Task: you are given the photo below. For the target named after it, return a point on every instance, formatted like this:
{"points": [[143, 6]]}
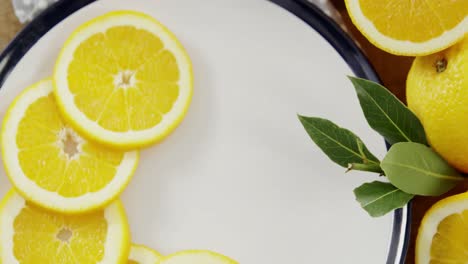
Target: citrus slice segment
{"points": [[140, 254], [196, 257], [123, 79], [443, 233], [52, 165], [31, 235], [412, 28]]}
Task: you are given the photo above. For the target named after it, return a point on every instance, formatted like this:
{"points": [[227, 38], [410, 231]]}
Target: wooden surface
{"points": [[9, 25], [391, 69]]}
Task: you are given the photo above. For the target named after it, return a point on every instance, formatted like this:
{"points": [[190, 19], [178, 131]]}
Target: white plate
{"points": [[240, 175]]}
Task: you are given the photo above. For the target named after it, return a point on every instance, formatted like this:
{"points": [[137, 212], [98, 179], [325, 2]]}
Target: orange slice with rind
{"points": [[443, 233], [30, 234], [124, 80], [52, 165], [412, 28]]}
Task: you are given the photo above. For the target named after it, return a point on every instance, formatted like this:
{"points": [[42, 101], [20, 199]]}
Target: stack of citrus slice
{"points": [[70, 143]]}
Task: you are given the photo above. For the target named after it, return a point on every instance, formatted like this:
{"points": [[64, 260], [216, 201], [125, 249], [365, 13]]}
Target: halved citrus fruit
{"points": [[196, 257], [31, 235], [52, 165], [123, 79], [412, 28], [443, 233], [140, 254]]}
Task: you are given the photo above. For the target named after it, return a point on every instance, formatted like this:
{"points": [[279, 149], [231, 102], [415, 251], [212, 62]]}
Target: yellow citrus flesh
{"points": [[140, 254], [417, 27], [51, 164], [196, 257], [437, 92], [31, 235], [123, 79], [443, 234]]}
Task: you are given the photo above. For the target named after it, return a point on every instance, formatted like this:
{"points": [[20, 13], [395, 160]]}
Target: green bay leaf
{"points": [[417, 169], [339, 144], [386, 114], [379, 198]]}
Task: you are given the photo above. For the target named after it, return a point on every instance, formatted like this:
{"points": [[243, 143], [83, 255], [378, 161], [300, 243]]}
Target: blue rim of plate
{"points": [[303, 9]]}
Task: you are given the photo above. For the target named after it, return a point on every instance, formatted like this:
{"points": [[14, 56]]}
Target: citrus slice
{"points": [[443, 234], [196, 257], [123, 79], [31, 235], [51, 165], [411, 28], [140, 254]]}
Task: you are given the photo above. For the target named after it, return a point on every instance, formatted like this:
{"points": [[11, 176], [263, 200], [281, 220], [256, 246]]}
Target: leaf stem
{"points": [[371, 167]]}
